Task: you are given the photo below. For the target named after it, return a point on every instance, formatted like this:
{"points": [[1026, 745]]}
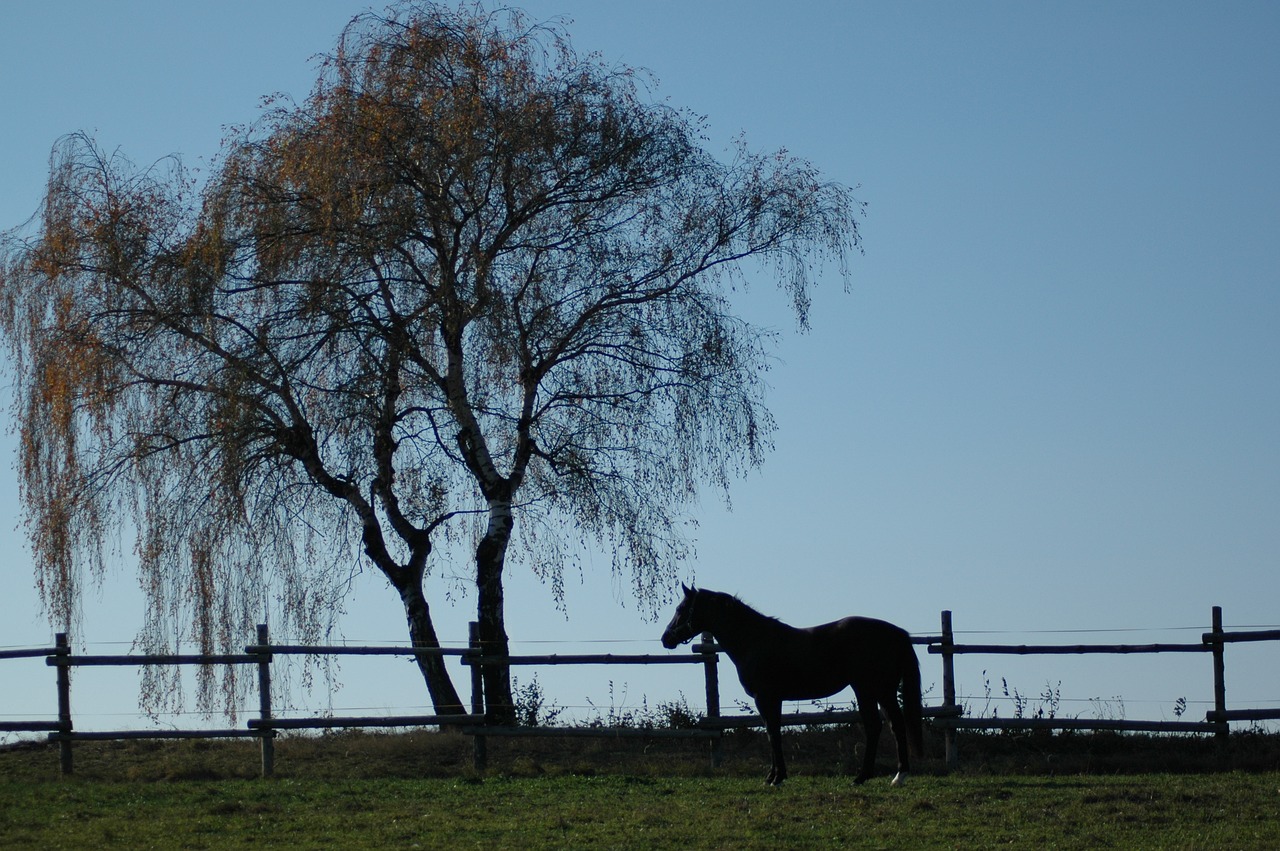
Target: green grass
{"points": [[419, 789], [1217, 811]]}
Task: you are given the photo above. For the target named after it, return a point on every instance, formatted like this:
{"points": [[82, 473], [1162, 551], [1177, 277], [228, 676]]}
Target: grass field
{"points": [[418, 790], [1219, 811]]}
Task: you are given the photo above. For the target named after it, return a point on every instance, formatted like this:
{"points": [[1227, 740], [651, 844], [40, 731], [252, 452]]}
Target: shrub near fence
{"points": [[947, 717]]}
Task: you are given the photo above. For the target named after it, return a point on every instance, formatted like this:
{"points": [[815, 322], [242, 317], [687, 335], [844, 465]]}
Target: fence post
{"points": [[951, 748], [1219, 672], [480, 752], [267, 735], [711, 668], [63, 650]]}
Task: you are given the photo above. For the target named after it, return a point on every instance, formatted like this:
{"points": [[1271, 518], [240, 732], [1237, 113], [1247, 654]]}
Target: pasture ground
{"points": [[1215, 811], [382, 790]]}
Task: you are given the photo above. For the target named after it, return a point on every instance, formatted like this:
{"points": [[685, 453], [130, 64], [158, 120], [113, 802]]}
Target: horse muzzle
{"points": [[671, 639]]}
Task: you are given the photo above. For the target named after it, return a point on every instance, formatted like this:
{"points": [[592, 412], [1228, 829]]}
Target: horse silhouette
{"points": [[777, 662]]}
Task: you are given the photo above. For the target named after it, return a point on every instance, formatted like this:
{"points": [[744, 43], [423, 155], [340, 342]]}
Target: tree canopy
{"points": [[474, 277]]}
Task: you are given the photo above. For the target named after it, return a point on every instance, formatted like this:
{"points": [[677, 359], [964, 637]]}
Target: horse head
{"points": [[684, 624]]}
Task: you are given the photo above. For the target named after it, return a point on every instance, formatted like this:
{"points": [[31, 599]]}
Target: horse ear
{"points": [[687, 589]]}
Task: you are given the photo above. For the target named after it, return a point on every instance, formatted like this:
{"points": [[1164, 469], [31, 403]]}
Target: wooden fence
{"points": [[948, 717]]}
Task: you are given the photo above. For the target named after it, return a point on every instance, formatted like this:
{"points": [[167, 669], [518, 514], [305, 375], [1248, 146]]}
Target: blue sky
{"points": [[1049, 401]]}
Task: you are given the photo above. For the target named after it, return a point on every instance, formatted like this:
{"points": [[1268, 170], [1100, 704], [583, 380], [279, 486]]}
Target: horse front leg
{"points": [[771, 711], [872, 725]]}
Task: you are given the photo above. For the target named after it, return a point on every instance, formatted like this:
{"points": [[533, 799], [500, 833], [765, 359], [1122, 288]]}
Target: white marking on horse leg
{"points": [[899, 778]]}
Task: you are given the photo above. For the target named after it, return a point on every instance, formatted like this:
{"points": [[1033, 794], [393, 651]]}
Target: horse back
{"points": [[818, 661], [871, 633], [866, 649]]}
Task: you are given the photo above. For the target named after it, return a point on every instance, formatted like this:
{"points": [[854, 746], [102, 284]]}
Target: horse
{"points": [[777, 662]]}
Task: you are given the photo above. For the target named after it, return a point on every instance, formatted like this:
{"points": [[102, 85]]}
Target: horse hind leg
{"points": [[871, 725], [898, 723]]}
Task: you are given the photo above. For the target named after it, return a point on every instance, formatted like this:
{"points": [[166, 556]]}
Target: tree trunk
{"points": [[491, 554], [423, 634]]}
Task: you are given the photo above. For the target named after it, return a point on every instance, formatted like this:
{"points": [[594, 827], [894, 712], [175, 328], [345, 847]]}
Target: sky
{"points": [[1049, 400]]}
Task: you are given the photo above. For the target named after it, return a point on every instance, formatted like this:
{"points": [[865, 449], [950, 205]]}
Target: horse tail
{"points": [[913, 700]]}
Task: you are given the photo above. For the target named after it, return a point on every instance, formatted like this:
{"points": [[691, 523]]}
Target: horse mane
{"points": [[732, 605]]}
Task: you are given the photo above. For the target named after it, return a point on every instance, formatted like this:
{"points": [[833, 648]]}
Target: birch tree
{"points": [[475, 286]]}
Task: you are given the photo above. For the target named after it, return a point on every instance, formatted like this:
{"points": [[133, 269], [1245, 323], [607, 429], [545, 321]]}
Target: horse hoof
{"points": [[899, 779], [859, 780]]}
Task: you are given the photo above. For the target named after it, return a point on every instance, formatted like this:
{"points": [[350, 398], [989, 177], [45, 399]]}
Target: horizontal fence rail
{"points": [[345, 650], [29, 653], [335, 722], [1071, 649], [1079, 724], [586, 659], [156, 659], [1233, 637], [948, 717], [847, 716]]}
